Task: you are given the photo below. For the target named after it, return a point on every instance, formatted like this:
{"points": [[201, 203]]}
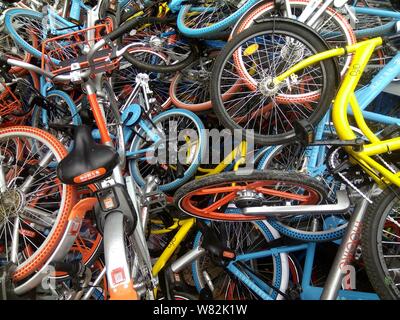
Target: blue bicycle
{"points": [[30, 28], [169, 146], [312, 159], [263, 265]]}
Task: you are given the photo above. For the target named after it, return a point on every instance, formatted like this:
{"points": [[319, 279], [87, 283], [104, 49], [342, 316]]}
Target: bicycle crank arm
{"points": [[342, 205]]}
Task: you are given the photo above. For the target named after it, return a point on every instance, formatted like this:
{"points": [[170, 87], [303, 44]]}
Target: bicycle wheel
{"points": [[252, 60], [86, 248], [331, 26], [381, 245], [185, 146], [161, 36], [62, 111], [242, 238], [23, 25], [34, 200], [8, 46], [329, 227], [210, 17], [216, 197]]}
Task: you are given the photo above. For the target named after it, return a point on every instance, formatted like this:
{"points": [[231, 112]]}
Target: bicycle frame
{"points": [[345, 97], [364, 97], [385, 29], [184, 225], [74, 14], [231, 159], [380, 81], [315, 8]]}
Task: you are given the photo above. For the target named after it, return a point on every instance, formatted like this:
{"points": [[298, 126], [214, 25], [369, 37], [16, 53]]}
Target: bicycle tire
{"points": [[190, 58], [35, 19], [215, 28], [183, 196], [37, 259], [199, 88], [375, 264], [280, 261], [191, 170], [72, 109], [261, 9], [328, 69]]}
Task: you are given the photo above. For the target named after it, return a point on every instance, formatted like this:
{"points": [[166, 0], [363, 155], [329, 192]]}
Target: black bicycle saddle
{"points": [[88, 161]]}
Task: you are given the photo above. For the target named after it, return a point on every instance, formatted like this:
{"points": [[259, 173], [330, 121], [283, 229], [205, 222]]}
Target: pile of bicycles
{"points": [[199, 150]]}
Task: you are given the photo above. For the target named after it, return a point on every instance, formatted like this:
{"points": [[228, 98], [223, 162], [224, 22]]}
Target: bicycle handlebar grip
{"points": [[125, 28]]}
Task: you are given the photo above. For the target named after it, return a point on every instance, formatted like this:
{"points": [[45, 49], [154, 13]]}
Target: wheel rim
{"points": [[388, 245], [217, 202], [259, 105], [42, 210], [242, 238]]}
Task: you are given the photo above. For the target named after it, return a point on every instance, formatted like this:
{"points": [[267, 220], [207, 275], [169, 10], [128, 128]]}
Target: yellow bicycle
{"points": [[183, 226], [378, 156], [286, 79]]}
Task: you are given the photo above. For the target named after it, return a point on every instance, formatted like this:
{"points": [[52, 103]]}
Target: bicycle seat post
{"points": [[346, 250]]}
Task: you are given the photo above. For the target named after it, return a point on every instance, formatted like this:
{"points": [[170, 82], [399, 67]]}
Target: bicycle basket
{"points": [[60, 53]]}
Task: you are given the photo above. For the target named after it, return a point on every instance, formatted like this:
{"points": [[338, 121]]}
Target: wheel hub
{"points": [[142, 78], [248, 198], [267, 87], [155, 42]]}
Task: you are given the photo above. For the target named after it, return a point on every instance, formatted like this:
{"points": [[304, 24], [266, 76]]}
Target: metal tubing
{"points": [[342, 205], [346, 250], [179, 264], [95, 283]]}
